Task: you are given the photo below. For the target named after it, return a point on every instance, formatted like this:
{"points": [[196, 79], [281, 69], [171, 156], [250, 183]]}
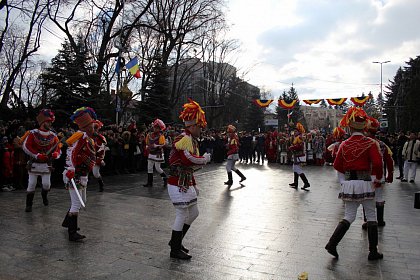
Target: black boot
{"points": [[66, 221], [176, 246], [73, 234], [29, 201], [364, 225], [295, 181], [44, 194], [230, 180], [101, 184], [305, 182], [184, 231], [338, 234], [373, 242], [149, 180], [165, 179], [243, 178], [380, 215]]}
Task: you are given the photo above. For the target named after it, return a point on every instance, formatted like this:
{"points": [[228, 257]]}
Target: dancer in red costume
{"points": [[299, 158], [155, 142], [232, 155], [81, 157], [183, 159], [42, 146], [100, 145], [358, 157], [371, 130]]}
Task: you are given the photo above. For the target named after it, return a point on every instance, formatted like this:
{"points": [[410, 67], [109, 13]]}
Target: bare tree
{"points": [[103, 26], [18, 44]]}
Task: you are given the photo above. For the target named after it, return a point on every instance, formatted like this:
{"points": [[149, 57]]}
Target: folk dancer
{"points": [[371, 129], [79, 163], [42, 146], [155, 142], [299, 157], [338, 134], [358, 157], [100, 145], [182, 189], [232, 155]]}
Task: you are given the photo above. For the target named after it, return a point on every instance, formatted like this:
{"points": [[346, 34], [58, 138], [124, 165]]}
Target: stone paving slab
{"points": [[259, 230]]}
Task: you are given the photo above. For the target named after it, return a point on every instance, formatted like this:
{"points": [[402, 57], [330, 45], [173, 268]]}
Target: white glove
{"points": [[208, 157]]}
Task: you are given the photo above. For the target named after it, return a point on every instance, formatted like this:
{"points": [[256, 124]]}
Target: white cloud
{"points": [[325, 48]]}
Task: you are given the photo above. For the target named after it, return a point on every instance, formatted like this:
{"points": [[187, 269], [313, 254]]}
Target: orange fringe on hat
{"points": [[355, 118], [372, 124], [300, 127], [338, 133], [193, 114]]}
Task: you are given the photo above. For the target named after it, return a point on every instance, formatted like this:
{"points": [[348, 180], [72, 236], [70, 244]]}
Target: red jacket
{"points": [[359, 153]]}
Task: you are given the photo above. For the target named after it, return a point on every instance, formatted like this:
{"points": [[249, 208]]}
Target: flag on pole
{"points": [[133, 67]]}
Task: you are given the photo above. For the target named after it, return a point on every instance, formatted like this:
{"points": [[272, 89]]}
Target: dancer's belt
{"points": [[184, 174], [363, 175]]}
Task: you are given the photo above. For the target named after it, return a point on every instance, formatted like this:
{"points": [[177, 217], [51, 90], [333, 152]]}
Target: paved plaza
{"points": [[262, 229]]}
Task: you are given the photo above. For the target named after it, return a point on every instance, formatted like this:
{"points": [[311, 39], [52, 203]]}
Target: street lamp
{"points": [[381, 62]]}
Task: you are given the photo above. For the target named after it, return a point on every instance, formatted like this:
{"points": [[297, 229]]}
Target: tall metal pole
{"points": [[381, 62]]}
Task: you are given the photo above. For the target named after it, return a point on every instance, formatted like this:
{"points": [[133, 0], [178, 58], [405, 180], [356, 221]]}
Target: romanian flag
{"points": [[360, 101], [133, 67], [262, 103], [282, 103], [312, 101], [336, 101]]}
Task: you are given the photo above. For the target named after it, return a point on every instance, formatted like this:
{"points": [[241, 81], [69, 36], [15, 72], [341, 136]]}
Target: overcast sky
{"points": [[324, 47]]}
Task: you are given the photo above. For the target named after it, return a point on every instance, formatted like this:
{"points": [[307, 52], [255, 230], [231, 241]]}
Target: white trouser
{"points": [[379, 197], [410, 166], [151, 163], [283, 157], [32, 180], [297, 168], [350, 210], [185, 215], [75, 202], [96, 171], [230, 165]]}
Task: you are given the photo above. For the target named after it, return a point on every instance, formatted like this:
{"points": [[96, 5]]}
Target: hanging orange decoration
{"points": [[336, 101], [263, 103], [360, 101], [312, 101], [282, 103]]}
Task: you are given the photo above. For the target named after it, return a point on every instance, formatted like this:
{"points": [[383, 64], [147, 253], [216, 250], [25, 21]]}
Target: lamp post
{"points": [[381, 62]]}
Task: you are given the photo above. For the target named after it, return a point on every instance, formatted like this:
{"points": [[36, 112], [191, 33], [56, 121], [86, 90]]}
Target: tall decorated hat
{"points": [[83, 117], [231, 128], [338, 133], [45, 115], [159, 123], [355, 118], [193, 114], [372, 125]]}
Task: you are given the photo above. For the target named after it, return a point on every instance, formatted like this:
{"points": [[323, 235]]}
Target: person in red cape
{"points": [[371, 130], [299, 157], [232, 155], [271, 146], [184, 158], [358, 157], [81, 158], [42, 146]]}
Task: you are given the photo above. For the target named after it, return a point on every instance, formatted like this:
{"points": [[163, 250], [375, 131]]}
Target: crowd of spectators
{"points": [[125, 152]]}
